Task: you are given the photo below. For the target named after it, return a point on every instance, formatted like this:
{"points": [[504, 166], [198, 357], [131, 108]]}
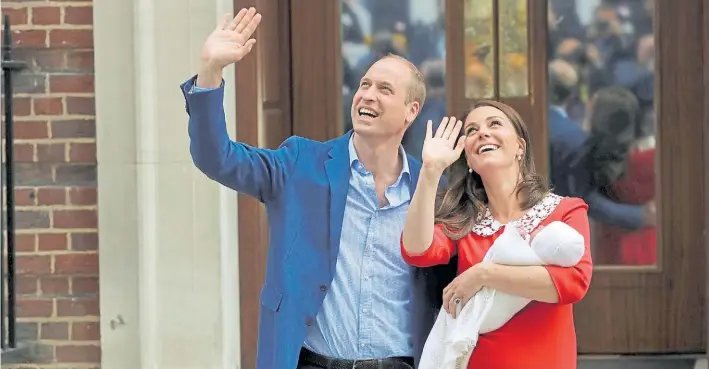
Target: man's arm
{"points": [[603, 209], [261, 173]]}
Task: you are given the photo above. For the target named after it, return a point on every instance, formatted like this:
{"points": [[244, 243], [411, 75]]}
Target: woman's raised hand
{"points": [[440, 150]]}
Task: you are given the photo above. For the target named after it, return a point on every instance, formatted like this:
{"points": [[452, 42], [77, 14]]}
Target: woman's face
{"points": [[491, 140]]}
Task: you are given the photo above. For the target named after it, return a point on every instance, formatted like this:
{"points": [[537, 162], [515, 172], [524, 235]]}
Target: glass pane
{"points": [[513, 48], [479, 43], [413, 29], [602, 122]]}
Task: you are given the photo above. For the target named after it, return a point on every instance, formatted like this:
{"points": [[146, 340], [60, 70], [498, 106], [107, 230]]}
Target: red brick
{"points": [[26, 285], [75, 219], [82, 196], [52, 241], [84, 286], [18, 16], [51, 153], [54, 331], [31, 219], [86, 331], [33, 264], [76, 174], [84, 241], [48, 106], [29, 38], [77, 128], [25, 196], [78, 307], [25, 242], [78, 354], [50, 60], [45, 15], [80, 59], [80, 105], [20, 106], [31, 130], [71, 83], [51, 196], [24, 152], [34, 307], [76, 263], [71, 38], [82, 152], [80, 15], [54, 285]]}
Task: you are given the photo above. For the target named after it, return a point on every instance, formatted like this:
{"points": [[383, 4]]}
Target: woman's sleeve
{"points": [[572, 283], [440, 251]]}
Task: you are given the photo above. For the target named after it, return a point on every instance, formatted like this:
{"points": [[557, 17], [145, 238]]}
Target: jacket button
{"points": [[323, 288], [309, 322]]}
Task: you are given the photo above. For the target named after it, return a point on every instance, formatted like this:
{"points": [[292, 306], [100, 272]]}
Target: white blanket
{"points": [[451, 341]]}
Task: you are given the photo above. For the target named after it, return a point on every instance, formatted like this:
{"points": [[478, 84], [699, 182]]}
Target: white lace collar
{"points": [[486, 225]]}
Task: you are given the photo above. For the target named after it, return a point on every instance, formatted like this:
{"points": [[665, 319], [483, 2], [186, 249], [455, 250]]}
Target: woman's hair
{"points": [[614, 122], [464, 198]]}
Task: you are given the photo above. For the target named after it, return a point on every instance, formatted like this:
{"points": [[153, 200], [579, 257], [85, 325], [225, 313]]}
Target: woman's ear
{"points": [[522, 146]]}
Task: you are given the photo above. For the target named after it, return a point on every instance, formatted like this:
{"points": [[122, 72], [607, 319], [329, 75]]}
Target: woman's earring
{"points": [[470, 170]]}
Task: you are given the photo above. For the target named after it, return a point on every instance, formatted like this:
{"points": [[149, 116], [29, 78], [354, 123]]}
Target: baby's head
{"points": [[559, 244]]}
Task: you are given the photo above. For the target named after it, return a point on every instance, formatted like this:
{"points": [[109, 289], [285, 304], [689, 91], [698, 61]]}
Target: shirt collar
{"points": [[354, 159], [560, 110]]}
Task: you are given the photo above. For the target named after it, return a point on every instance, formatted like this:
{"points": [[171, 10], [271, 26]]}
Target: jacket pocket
{"points": [[271, 297]]}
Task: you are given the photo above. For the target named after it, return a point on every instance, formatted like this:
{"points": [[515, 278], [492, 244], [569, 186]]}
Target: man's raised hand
{"points": [[229, 42]]}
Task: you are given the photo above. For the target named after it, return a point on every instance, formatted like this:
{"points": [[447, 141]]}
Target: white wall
{"points": [[168, 245]]}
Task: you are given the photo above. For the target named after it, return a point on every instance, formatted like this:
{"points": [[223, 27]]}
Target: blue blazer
{"points": [[303, 184]]}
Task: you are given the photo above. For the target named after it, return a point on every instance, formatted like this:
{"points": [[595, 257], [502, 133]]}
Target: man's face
{"points": [[379, 106]]}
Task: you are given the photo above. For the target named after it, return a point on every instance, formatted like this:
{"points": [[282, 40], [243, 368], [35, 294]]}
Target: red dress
{"points": [[542, 335], [637, 186]]}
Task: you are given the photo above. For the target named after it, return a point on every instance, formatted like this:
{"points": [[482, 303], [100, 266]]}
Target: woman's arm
{"points": [[531, 282], [418, 228]]}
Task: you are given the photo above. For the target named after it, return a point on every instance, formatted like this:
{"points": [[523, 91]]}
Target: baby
{"points": [[451, 341]]}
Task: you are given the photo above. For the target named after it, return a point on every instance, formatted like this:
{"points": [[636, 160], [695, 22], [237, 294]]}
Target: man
{"points": [[336, 287]]}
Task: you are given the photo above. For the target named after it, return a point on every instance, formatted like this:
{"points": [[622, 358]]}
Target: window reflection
{"points": [[514, 81], [602, 121], [413, 29], [479, 49]]}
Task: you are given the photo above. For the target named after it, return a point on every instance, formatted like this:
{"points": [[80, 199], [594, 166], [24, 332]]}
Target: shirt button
{"points": [[309, 322], [323, 288]]}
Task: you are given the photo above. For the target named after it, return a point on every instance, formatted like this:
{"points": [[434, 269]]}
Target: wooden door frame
{"points": [[263, 119], [526, 106]]}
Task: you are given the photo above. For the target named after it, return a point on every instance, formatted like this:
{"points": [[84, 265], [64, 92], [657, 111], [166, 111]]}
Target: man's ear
{"points": [[412, 112]]}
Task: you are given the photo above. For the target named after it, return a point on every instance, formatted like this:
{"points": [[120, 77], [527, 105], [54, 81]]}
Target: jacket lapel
{"points": [[338, 173]]}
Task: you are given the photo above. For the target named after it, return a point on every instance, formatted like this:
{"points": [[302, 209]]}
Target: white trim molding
{"points": [[168, 243]]}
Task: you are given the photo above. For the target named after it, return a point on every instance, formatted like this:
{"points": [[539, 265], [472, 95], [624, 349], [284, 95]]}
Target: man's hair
{"points": [[417, 85], [562, 81]]}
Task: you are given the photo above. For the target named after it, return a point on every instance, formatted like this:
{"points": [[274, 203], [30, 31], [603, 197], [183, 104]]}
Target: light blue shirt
{"points": [[367, 312]]}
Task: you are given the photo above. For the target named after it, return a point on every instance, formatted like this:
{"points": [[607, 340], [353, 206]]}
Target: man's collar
{"points": [[354, 158]]}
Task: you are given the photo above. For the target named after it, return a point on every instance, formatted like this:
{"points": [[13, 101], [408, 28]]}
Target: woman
{"points": [[621, 160], [492, 184]]}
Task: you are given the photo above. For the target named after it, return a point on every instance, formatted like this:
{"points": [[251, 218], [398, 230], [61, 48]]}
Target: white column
{"points": [[168, 246]]}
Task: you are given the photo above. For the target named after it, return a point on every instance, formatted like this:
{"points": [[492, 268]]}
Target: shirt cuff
{"points": [[197, 89]]}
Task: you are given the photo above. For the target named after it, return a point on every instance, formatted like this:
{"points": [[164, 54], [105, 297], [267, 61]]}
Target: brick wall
{"points": [[57, 242]]}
